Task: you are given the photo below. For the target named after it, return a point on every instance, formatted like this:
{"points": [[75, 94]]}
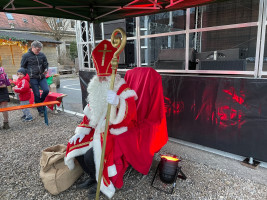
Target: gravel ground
{"points": [[209, 176]]}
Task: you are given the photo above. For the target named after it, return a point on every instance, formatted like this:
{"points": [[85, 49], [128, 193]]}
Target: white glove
{"points": [[77, 136], [112, 98]]}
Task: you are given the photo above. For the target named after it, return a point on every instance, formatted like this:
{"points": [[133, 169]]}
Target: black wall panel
{"points": [[228, 114]]}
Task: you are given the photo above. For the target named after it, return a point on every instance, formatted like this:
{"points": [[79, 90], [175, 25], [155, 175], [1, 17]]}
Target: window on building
{"points": [[98, 31], [68, 49], [72, 24], [218, 38], [167, 52], [12, 25], [127, 24], [225, 48], [9, 16], [163, 22], [226, 13], [128, 56], [110, 26], [59, 22]]}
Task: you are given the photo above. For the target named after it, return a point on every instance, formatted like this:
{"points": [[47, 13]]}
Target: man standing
{"points": [[36, 64], [86, 145]]}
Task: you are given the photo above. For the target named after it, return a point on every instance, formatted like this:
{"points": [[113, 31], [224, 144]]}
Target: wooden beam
{"points": [[49, 103]]}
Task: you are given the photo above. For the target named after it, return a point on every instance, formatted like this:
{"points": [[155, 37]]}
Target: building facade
{"points": [[16, 34]]}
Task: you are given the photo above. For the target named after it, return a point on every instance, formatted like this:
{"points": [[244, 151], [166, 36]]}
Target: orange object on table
{"points": [[52, 96]]}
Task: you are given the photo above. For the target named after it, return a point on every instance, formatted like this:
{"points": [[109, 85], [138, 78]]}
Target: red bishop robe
{"points": [[122, 119]]}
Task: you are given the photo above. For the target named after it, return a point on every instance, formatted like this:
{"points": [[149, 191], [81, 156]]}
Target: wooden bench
{"points": [[65, 71], [48, 103]]}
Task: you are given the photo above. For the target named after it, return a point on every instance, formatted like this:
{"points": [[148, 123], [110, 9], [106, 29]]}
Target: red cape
{"points": [[138, 145]]}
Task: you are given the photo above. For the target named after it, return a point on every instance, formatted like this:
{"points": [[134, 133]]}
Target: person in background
{"points": [[4, 96], [23, 89], [36, 65]]}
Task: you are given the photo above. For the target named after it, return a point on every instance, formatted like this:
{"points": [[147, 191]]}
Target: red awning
{"points": [[96, 10]]}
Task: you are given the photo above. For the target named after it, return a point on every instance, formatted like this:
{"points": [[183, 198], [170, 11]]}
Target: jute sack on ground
{"points": [[55, 175]]}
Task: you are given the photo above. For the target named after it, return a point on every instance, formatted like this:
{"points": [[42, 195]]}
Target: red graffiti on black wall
{"points": [[235, 97], [231, 115], [226, 111], [172, 107]]}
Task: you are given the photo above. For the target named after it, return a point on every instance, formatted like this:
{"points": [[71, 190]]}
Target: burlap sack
{"points": [[55, 175]]}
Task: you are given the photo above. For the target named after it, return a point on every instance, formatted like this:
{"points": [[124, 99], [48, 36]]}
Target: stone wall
{"points": [[50, 51], [11, 57], [62, 52]]}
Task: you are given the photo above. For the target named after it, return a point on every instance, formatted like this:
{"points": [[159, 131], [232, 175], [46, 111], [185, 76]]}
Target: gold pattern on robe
{"points": [[79, 145]]}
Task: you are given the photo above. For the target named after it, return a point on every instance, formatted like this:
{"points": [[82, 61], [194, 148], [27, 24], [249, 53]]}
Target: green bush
{"points": [[73, 51]]}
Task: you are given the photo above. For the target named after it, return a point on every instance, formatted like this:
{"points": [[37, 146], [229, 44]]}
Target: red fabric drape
{"points": [[138, 145], [52, 96]]}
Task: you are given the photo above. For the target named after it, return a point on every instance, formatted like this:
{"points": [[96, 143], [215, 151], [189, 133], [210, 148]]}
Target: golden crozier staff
{"points": [[118, 43]]}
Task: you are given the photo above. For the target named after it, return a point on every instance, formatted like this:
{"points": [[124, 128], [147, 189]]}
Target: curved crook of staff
{"points": [[118, 43]]}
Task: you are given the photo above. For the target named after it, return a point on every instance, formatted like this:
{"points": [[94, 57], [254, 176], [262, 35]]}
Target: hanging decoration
{"points": [[23, 41], [13, 62], [13, 41]]}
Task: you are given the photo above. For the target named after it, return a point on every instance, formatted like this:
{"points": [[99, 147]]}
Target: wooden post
{"points": [[119, 43]]}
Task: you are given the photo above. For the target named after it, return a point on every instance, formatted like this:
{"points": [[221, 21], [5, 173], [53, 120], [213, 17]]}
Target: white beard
{"points": [[97, 98]]}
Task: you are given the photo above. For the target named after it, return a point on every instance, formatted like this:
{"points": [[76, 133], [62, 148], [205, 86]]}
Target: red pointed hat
{"points": [[102, 56]]}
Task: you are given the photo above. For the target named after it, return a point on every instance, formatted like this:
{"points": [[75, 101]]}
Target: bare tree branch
{"points": [[58, 27]]}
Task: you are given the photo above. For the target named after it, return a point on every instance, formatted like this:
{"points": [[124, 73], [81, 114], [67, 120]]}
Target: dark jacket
{"points": [[35, 65]]}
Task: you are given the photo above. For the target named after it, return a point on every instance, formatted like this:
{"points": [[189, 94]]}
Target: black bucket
{"points": [[167, 170]]}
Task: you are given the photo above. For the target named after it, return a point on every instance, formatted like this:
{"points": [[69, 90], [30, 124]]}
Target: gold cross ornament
{"points": [[104, 53]]}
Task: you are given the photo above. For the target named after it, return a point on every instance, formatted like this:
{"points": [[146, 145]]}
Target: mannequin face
{"points": [[102, 78]]}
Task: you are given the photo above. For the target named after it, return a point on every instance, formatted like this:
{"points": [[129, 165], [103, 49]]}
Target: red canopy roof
{"points": [[96, 10]]}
